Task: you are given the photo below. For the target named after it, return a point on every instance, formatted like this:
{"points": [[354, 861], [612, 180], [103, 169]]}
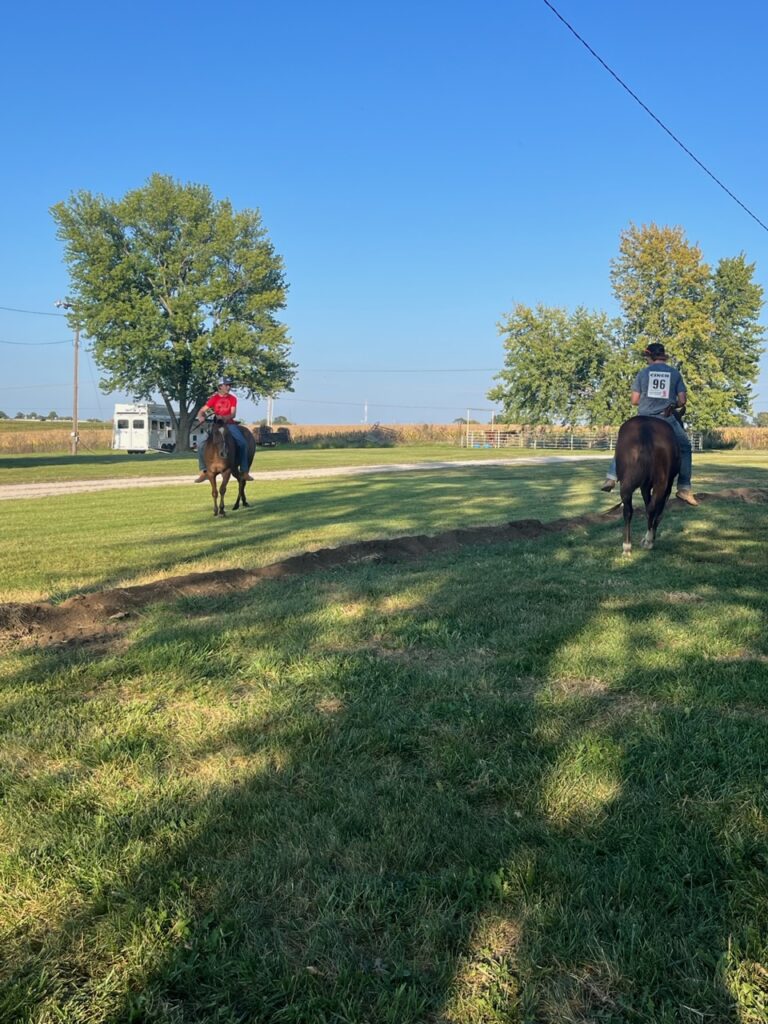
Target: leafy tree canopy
{"points": [[175, 289], [706, 320], [554, 365], [578, 367]]}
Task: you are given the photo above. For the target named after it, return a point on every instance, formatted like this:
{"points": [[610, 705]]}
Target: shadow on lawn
{"points": [[419, 810], [176, 460]]}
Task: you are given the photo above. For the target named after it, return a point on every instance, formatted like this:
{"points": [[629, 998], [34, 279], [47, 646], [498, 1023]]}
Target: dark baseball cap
{"points": [[655, 350]]}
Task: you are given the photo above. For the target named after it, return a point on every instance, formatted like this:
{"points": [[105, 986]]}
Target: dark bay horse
{"points": [[220, 456], [648, 457]]}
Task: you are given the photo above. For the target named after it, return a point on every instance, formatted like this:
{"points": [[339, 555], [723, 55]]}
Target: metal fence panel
{"points": [[595, 441]]}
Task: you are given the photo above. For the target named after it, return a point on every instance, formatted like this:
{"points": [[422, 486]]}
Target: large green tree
{"points": [[612, 404], [176, 288], [737, 339], [706, 320], [554, 363]]}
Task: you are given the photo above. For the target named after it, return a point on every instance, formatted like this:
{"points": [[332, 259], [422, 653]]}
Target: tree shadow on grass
{"points": [[483, 788], [33, 461]]}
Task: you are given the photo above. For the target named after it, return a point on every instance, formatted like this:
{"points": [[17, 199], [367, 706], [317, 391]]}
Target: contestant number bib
{"points": [[659, 384]]}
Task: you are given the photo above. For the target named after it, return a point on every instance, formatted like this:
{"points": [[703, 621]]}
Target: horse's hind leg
{"points": [[214, 492], [650, 506], [627, 502], [654, 518], [240, 495]]}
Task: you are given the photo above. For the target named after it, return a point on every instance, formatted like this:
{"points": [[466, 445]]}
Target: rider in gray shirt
{"points": [[654, 389]]}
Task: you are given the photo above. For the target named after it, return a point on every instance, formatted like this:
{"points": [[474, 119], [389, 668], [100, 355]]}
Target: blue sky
{"points": [[421, 167]]}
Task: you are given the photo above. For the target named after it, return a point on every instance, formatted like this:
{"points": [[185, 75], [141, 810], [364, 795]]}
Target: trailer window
{"points": [[154, 424], [138, 424], [122, 424]]}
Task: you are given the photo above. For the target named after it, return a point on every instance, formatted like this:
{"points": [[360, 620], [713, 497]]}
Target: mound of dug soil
{"points": [[89, 617]]}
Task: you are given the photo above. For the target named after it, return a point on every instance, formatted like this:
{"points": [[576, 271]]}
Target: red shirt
{"points": [[223, 405]]}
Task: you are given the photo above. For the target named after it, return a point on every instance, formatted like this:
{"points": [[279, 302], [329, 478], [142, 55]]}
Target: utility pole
{"points": [[269, 410], [75, 431], [365, 411]]}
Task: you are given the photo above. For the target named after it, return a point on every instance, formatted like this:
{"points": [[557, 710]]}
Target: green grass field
{"points": [[54, 547], [45, 468], [522, 784], [20, 426]]}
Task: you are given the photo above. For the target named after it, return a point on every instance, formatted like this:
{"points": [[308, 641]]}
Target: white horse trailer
{"points": [[138, 428]]}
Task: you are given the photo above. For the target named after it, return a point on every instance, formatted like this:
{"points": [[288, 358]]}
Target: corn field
{"points": [[26, 438]]}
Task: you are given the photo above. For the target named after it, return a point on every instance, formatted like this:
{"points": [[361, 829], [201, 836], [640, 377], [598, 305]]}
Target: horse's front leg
{"points": [[214, 492], [223, 490]]}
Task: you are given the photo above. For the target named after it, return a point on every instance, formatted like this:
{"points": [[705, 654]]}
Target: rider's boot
{"points": [[609, 484], [686, 495], [203, 476]]}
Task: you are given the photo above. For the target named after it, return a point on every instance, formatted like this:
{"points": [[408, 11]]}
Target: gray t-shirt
{"points": [[659, 385]]}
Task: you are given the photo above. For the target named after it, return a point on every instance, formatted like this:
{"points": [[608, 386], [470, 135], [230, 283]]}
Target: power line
{"points": [[89, 360], [656, 119], [473, 369], [34, 344], [34, 312], [34, 387], [376, 405], [301, 401]]}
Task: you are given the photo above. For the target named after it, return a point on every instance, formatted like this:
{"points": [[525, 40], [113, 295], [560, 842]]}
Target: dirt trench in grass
{"points": [[97, 616]]}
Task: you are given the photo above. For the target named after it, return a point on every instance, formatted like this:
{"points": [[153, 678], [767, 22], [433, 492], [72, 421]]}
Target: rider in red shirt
{"points": [[224, 405]]}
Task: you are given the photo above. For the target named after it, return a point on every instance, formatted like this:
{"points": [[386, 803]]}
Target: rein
{"points": [[673, 410]]}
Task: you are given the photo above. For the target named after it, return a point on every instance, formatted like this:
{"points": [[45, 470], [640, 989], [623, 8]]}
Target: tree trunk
{"points": [[186, 419], [182, 422]]}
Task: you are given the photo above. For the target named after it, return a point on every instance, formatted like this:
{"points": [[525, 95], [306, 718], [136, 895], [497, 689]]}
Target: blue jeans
{"points": [[242, 449], [684, 442]]}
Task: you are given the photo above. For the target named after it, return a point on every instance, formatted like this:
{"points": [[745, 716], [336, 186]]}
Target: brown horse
{"points": [[648, 457], [220, 456]]}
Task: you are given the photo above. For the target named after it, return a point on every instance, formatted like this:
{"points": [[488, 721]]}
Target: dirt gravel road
{"points": [[9, 492]]}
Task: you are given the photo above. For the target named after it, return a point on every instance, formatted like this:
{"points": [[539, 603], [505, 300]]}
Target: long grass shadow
{"points": [[406, 794]]}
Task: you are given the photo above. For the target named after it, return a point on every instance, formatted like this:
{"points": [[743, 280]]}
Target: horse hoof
{"points": [[626, 550]]}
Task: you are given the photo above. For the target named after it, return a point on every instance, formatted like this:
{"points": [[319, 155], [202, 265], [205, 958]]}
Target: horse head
{"points": [[218, 434]]}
